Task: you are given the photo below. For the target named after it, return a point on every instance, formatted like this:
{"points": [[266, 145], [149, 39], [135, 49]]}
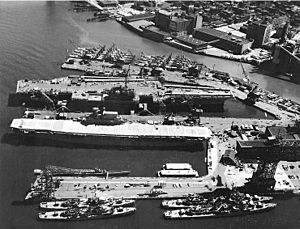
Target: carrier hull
{"points": [[114, 141]]}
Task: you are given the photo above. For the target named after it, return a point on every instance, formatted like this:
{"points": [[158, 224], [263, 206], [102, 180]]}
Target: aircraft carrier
{"points": [[129, 134]]}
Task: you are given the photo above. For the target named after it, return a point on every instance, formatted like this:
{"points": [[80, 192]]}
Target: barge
{"points": [[177, 170]]}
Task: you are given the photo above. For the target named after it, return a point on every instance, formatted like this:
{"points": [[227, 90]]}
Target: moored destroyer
{"points": [[226, 211], [86, 213], [194, 201], [217, 204], [84, 203]]}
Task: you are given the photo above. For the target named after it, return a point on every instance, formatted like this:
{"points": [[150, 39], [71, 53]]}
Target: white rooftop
{"points": [[178, 166]]}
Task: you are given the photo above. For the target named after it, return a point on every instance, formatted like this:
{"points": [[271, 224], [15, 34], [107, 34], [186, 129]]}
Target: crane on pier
{"points": [[252, 96], [246, 77]]}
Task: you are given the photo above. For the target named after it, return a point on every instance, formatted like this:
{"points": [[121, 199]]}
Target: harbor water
{"points": [[35, 38]]}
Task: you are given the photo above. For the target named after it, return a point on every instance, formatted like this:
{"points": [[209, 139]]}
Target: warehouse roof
{"points": [[223, 35], [191, 40]]}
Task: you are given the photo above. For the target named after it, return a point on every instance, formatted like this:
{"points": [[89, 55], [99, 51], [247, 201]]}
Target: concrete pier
{"points": [[128, 187]]}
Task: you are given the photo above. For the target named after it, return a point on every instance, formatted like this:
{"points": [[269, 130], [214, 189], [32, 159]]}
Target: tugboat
{"points": [[224, 210], [85, 203], [86, 213]]}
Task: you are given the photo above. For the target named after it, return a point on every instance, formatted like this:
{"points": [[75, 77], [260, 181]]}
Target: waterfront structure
{"points": [[195, 44], [124, 135], [286, 61], [155, 33], [259, 32], [223, 40]]}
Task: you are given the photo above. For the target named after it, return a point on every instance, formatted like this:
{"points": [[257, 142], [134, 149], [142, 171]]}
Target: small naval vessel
{"points": [[84, 203], [223, 211], [192, 202], [86, 213]]}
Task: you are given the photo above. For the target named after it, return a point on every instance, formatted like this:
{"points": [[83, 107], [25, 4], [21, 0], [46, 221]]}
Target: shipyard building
{"points": [[223, 40]]}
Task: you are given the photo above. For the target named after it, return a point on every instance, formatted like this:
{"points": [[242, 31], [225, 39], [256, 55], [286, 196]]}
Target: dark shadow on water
{"points": [[22, 203]]}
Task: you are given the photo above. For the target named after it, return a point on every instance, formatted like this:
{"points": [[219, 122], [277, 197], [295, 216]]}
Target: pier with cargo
{"points": [[150, 78]]}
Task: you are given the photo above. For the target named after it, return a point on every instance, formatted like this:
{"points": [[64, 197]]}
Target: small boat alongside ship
{"points": [[86, 213], [84, 203], [64, 171]]}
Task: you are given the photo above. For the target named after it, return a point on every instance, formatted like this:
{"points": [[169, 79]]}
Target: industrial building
{"points": [[281, 144], [269, 150], [222, 40]]}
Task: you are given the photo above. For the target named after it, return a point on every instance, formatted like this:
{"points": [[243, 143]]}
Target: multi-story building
{"points": [[259, 32], [176, 23]]}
